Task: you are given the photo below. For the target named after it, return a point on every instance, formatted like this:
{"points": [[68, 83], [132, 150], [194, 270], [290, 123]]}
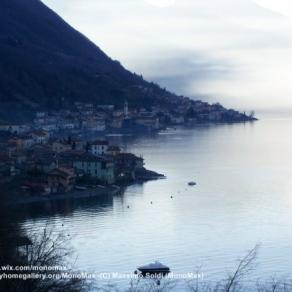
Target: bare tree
{"points": [[142, 285], [52, 249], [275, 286], [232, 283], [198, 285], [245, 265]]}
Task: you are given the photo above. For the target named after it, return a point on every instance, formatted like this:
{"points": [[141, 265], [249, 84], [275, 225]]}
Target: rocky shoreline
{"points": [[144, 175], [141, 176]]}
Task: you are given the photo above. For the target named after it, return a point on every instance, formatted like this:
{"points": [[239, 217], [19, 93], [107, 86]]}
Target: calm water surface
{"points": [[243, 197]]}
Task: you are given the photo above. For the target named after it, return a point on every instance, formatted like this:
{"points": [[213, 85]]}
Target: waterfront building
{"points": [[101, 168], [99, 147]]}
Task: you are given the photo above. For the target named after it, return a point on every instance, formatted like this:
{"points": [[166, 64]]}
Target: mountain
{"points": [[45, 63]]}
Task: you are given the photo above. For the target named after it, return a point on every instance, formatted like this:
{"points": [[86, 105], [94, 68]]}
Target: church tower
{"points": [[126, 109]]}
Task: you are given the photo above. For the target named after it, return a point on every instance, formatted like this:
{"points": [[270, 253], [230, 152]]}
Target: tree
{"points": [[48, 249], [245, 265], [233, 281]]}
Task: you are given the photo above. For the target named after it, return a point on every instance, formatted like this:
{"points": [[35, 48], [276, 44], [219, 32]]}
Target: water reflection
{"points": [[67, 207], [243, 197]]}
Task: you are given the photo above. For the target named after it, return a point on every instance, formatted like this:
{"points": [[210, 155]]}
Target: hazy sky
{"points": [[238, 52]]}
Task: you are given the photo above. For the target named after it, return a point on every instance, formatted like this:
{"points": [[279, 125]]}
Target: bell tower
{"points": [[126, 109]]}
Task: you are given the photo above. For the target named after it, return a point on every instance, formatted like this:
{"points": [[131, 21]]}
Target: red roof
{"points": [[62, 171]]}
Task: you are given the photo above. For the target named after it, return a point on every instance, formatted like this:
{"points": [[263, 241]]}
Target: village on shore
{"points": [[65, 150], [82, 118]]}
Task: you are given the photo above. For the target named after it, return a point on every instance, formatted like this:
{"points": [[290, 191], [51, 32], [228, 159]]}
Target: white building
{"points": [[40, 114], [40, 137], [50, 127], [99, 147], [97, 125], [14, 129]]}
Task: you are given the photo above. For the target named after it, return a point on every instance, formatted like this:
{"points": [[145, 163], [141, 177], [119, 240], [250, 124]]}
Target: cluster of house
{"points": [[197, 111], [87, 118], [46, 165], [46, 162]]}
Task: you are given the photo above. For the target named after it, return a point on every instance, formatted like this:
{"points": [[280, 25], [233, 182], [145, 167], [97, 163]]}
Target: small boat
{"points": [[155, 268], [192, 183]]}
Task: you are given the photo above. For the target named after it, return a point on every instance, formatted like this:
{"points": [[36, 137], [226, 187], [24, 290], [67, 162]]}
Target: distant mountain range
{"points": [[45, 63]]}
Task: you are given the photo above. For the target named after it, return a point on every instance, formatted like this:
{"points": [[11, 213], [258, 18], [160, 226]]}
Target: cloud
{"points": [[184, 71], [238, 51], [283, 7], [161, 3]]}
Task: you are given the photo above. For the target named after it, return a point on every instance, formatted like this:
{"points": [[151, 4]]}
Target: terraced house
{"points": [[98, 167]]}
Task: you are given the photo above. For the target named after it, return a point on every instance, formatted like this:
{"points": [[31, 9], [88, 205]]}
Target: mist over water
{"points": [[243, 197]]}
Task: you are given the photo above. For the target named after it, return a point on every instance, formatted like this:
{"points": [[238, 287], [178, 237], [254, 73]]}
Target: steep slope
{"points": [[44, 62]]}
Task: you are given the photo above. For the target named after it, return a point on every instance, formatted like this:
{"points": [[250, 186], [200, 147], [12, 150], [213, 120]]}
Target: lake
{"points": [[243, 197]]}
